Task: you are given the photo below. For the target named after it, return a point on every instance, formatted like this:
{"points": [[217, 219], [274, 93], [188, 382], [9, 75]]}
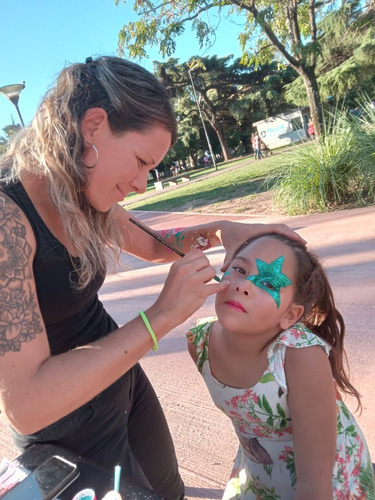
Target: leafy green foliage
{"points": [[161, 23], [314, 37], [231, 97], [347, 54], [288, 25], [9, 131], [337, 169], [285, 28], [3, 144]]}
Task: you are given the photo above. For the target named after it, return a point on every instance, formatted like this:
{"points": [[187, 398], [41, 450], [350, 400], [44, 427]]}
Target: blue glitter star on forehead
{"points": [[270, 278]]}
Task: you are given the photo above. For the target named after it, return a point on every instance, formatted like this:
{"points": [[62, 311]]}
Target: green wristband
{"points": [[155, 347]]}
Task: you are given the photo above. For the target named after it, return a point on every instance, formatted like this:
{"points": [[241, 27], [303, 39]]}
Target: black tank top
{"points": [[71, 318]]}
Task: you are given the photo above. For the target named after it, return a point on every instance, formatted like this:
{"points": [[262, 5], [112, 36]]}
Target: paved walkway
{"points": [[204, 440]]}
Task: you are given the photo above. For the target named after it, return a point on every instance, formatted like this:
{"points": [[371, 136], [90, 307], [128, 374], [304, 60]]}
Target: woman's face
{"points": [[259, 298], [123, 163]]}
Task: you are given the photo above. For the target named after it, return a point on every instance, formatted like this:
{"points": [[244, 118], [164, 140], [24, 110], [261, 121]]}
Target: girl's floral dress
{"points": [[264, 467]]}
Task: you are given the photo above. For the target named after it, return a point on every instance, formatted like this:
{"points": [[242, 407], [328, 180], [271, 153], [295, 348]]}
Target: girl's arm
{"points": [[203, 236], [312, 402], [36, 388]]}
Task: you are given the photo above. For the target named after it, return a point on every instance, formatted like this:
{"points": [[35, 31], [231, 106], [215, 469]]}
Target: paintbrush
{"points": [[159, 238]]}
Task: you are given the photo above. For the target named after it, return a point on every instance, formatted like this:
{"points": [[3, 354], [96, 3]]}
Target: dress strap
{"points": [[199, 336], [297, 336]]}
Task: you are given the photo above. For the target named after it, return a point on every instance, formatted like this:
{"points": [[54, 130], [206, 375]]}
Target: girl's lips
{"points": [[235, 305]]}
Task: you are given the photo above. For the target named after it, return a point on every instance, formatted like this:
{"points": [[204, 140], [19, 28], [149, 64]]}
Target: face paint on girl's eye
{"points": [[270, 273], [227, 273]]}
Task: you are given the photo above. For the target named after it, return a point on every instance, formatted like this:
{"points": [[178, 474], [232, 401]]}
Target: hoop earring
{"points": [[96, 152]]}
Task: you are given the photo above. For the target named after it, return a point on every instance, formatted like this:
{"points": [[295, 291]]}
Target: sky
{"points": [[40, 37]]}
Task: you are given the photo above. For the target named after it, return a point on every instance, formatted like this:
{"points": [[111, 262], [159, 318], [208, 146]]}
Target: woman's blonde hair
{"points": [[52, 146]]}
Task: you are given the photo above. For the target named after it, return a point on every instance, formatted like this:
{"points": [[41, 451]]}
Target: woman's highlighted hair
{"points": [[53, 146]]}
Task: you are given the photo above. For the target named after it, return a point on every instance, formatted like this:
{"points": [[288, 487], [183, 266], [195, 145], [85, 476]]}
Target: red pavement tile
{"points": [[205, 442]]}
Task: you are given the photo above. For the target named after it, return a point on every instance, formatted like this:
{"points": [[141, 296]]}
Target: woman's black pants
{"points": [[124, 425]]}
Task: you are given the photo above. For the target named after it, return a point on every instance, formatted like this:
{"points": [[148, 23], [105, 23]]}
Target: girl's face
{"points": [[259, 298], [124, 163]]}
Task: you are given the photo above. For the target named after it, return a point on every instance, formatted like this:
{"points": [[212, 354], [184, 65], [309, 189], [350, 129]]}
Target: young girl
{"points": [[273, 361]]}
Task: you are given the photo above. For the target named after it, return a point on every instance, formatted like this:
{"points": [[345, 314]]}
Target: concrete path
{"points": [[204, 440]]}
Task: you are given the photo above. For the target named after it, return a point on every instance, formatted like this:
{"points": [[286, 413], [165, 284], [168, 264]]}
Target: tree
{"points": [[261, 100], [215, 86], [3, 144], [190, 129], [10, 131], [288, 27], [346, 64], [220, 84]]}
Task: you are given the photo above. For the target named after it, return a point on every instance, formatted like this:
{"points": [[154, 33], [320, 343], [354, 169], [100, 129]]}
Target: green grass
{"points": [[194, 174], [244, 181], [337, 170]]}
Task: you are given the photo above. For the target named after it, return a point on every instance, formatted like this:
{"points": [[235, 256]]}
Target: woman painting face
{"points": [[123, 162]]}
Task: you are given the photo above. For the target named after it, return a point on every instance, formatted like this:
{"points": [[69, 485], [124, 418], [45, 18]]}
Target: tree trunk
{"points": [[312, 89], [193, 160], [217, 126]]}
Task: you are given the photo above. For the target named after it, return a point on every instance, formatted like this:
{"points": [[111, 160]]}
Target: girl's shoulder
{"points": [[197, 333], [199, 336], [297, 337]]}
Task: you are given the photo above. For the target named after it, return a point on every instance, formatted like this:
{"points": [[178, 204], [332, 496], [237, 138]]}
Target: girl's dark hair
{"points": [[314, 293]]}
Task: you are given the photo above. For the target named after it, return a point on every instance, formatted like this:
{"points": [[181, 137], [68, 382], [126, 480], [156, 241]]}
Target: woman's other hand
{"points": [[233, 234]]}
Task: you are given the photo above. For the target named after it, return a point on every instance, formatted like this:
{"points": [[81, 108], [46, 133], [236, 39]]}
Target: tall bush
{"points": [[336, 170]]}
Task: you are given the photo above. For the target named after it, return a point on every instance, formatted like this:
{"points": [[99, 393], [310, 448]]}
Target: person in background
{"points": [[206, 161], [274, 362], [264, 151], [311, 129], [69, 374], [256, 146], [155, 174]]}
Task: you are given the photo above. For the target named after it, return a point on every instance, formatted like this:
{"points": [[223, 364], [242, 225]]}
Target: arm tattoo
{"points": [[176, 233], [202, 242], [19, 317], [199, 240]]}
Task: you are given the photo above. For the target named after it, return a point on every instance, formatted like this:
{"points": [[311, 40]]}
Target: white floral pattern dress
{"points": [[264, 467]]}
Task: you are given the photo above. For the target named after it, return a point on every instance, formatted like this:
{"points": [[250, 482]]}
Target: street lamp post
{"points": [[201, 117], [12, 92]]}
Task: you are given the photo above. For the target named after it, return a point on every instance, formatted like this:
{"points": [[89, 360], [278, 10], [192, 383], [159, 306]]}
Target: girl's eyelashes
{"points": [[142, 162], [239, 269], [268, 284]]}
